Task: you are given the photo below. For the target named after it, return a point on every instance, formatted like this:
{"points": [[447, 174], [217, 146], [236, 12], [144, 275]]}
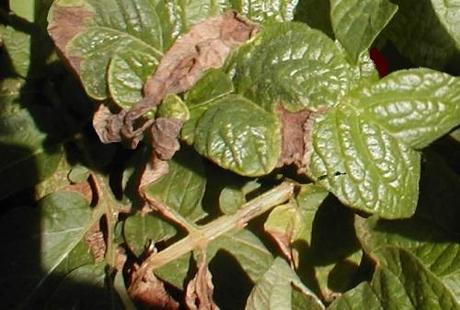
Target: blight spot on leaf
{"points": [[66, 23]]}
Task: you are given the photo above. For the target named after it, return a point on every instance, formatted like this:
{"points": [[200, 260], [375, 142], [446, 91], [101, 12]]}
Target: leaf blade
{"points": [[364, 166], [240, 136], [356, 24], [416, 106]]}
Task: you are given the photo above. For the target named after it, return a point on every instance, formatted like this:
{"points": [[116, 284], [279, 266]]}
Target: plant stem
{"points": [[206, 233], [107, 202]]}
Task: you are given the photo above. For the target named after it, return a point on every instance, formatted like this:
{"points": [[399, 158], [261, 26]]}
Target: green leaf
{"points": [[400, 282], [328, 250], [295, 218], [182, 189], [266, 10], [78, 174], [173, 107], [363, 165], [434, 249], [360, 297], [127, 73], [214, 84], [306, 70], [27, 157], [363, 150], [187, 133], [425, 40], [447, 12], [89, 35], [86, 288], [95, 40], [415, 106], [41, 242], [274, 289], [247, 249], [58, 181], [404, 283], [188, 13], [23, 9], [24, 38], [176, 272], [239, 136], [17, 44], [231, 199], [139, 230], [357, 23]]}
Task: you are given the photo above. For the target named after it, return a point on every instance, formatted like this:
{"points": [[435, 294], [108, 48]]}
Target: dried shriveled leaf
{"points": [[94, 238], [150, 291], [205, 46], [107, 125], [164, 137], [200, 289]]}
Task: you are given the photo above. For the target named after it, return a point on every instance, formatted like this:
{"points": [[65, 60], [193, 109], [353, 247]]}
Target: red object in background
{"points": [[379, 60]]}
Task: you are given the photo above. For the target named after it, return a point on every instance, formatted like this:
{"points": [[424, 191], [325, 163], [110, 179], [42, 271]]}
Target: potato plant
{"points": [[245, 154]]}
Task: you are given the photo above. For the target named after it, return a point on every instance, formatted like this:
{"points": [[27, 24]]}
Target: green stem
{"points": [[200, 237], [107, 202]]}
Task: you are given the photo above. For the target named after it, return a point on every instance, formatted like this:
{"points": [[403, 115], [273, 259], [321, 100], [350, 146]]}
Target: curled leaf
{"points": [[205, 46], [94, 238], [200, 290], [150, 291], [164, 137], [106, 125]]}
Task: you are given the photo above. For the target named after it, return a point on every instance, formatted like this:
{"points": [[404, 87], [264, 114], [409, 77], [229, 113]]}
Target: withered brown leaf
{"points": [[200, 289], [150, 291], [107, 125], [205, 46], [94, 238]]}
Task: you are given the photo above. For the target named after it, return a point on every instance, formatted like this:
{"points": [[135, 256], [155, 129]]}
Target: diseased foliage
{"points": [[231, 154]]}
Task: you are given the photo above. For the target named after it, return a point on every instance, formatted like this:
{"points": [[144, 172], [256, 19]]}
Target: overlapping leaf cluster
{"points": [[367, 219]]}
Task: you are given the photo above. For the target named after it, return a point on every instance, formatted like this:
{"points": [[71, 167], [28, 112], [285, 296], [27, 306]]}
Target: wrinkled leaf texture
{"points": [[107, 47]]}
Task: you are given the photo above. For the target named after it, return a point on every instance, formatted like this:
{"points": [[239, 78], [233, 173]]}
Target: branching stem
{"points": [[200, 237]]}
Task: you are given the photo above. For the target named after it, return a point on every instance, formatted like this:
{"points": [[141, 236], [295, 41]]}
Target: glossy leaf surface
{"points": [[240, 136]]}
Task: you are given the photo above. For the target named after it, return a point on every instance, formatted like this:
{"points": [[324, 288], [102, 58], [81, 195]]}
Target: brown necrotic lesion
{"points": [[205, 46]]}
